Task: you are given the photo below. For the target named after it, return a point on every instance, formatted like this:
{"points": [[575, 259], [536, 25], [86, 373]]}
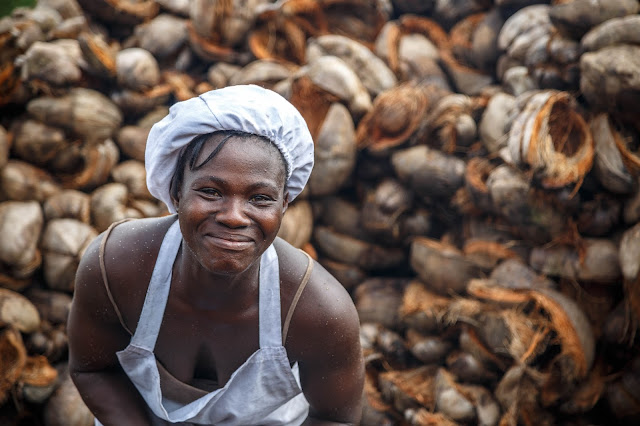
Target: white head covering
{"points": [[248, 108]]}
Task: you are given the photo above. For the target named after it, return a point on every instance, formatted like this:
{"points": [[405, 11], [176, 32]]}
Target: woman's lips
{"points": [[236, 243]]}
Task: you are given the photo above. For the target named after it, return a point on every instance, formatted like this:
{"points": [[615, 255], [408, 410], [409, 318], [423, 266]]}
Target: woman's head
{"points": [[249, 109], [230, 195]]}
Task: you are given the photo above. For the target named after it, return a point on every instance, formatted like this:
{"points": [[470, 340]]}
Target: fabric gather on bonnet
{"points": [[247, 108]]}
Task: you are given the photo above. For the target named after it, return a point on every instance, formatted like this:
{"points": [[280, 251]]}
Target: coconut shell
{"points": [[577, 17], [224, 22], [66, 8], [451, 124], [495, 122], [37, 143], [335, 152], [63, 244], [610, 166], [423, 417], [87, 113], [612, 32], [132, 141], [70, 28], [372, 71], [163, 36], [609, 79], [522, 29], [383, 208], [442, 267], [428, 349], [109, 204], [137, 69], [14, 358], [428, 172], [368, 256], [51, 63], [123, 12], [65, 407], [514, 274], [378, 300], [518, 393], [133, 174], [263, 72], [20, 227], [94, 165], [37, 379], [423, 309], [297, 224], [593, 260], [18, 312], [68, 203], [53, 306], [451, 400], [340, 215], [20, 181]]}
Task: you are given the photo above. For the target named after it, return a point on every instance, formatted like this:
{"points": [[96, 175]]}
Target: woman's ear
{"points": [[285, 202]]}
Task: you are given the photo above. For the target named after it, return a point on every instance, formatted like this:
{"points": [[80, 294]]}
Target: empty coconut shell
{"points": [[20, 227], [68, 203], [16, 311], [21, 181], [14, 358]]}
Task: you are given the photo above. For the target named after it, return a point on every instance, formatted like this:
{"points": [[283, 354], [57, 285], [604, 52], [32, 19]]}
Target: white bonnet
{"points": [[248, 108]]}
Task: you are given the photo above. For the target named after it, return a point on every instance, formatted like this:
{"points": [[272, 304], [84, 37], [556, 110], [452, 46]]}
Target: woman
{"points": [[205, 316]]}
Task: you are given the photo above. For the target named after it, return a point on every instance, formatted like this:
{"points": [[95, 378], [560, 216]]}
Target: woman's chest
{"points": [[195, 347]]}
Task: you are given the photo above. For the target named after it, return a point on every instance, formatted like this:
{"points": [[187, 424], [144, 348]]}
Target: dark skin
{"points": [[229, 213]]}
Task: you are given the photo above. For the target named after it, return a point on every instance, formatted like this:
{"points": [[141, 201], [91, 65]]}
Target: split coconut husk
{"points": [[475, 179], [466, 368], [428, 349], [37, 143], [68, 203], [621, 394], [368, 256], [630, 265], [513, 273], [378, 300], [4, 147], [357, 19], [266, 73], [132, 141], [312, 102], [63, 244], [335, 152], [577, 17], [100, 57], [65, 407], [50, 63], [110, 203], [53, 306], [423, 309], [20, 181], [340, 215], [396, 114], [615, 31], [87, 166], [85, 112], [133, 174], [14, 357], [164, 36], [383, 208], [17, 312], [451, 123], [372, 71], [297, 224], [441, 266], [137, 69], [551, 138], [123, 12], [20, 227], [50, 341], [37, 379], [414, 388], [429, 172], [487, 254]]}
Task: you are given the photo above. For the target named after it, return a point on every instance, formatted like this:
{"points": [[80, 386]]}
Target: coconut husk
{"points": [[471, 343], [378, 300], [441, 266], [357, 19], [451, 400], [49, 341], [20, 181], [423, 309], [132, 141], [575, 18], [476, 174], [65, 407], [466, 368], [163, 36], [123, 12], [393, 348], [137, 69], [335, 152], [50, 63], [133, 102], [609, 80], [615, 31], [36, 142], [372, 71], [593, 260], [430, 173], [382, 209], [340, 215], [220, 73], [423, 417], [513, 273], [66, 8], [374, 410], [428, 349], [621, 394], [224, 22], [53, 306], [282, 29], [4, 147], [553, 139], [85, 112], [407, 389], [297, 224], [92, 165], [16, 311], [396, 114], [99, 56], [109, 203], [312, 101], [68, 203], [20, 226], [496, 121], [599, 216], [70, 28], [38, 372], [14, 358], [63, 244], [522, 29], [132, 173], [615, 174], [518, 393], [263, 72], [451, 124], [368, 256], [487, 254], [347, 275]]}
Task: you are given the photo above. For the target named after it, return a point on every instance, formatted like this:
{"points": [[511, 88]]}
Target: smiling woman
{"points": [[205, 316]]}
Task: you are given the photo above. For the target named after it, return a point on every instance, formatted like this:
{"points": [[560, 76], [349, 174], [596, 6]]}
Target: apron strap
{"points": [[269, 300]]}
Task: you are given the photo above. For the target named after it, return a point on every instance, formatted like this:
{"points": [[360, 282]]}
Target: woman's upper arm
{"points": [[328, 350], [95, 334]]}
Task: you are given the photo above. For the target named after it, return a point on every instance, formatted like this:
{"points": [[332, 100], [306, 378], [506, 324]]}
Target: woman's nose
{"points": [[232, 214]]}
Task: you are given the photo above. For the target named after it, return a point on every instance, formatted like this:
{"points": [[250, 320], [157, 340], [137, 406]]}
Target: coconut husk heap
{"points": [[475, 188]]}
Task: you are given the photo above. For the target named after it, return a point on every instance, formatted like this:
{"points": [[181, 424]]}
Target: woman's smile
{"points": [[230, 241]]}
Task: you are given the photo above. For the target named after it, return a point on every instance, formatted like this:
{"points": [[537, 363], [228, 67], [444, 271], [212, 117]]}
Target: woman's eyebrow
{"points": [[252, 187]]}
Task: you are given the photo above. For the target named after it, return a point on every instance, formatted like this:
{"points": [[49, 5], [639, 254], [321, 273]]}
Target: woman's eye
{"points": [[208, 191], [261, 198]]}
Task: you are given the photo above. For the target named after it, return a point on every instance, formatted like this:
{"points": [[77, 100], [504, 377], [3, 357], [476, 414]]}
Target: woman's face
{"points": [[230, 209]]}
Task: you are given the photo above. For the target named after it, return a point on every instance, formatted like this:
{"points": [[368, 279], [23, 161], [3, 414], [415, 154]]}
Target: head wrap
{"points": [[247, 108]]}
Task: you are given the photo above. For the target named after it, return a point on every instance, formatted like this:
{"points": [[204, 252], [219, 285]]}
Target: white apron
{"points": [[265, 390]]}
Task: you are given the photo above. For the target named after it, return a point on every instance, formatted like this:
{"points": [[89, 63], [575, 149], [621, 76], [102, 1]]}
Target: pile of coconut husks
{"points": [[475, 187]]}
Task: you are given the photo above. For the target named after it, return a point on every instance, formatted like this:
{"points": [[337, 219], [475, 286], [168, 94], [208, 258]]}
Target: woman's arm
{"points": [[325, 340], [95, 335]]}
